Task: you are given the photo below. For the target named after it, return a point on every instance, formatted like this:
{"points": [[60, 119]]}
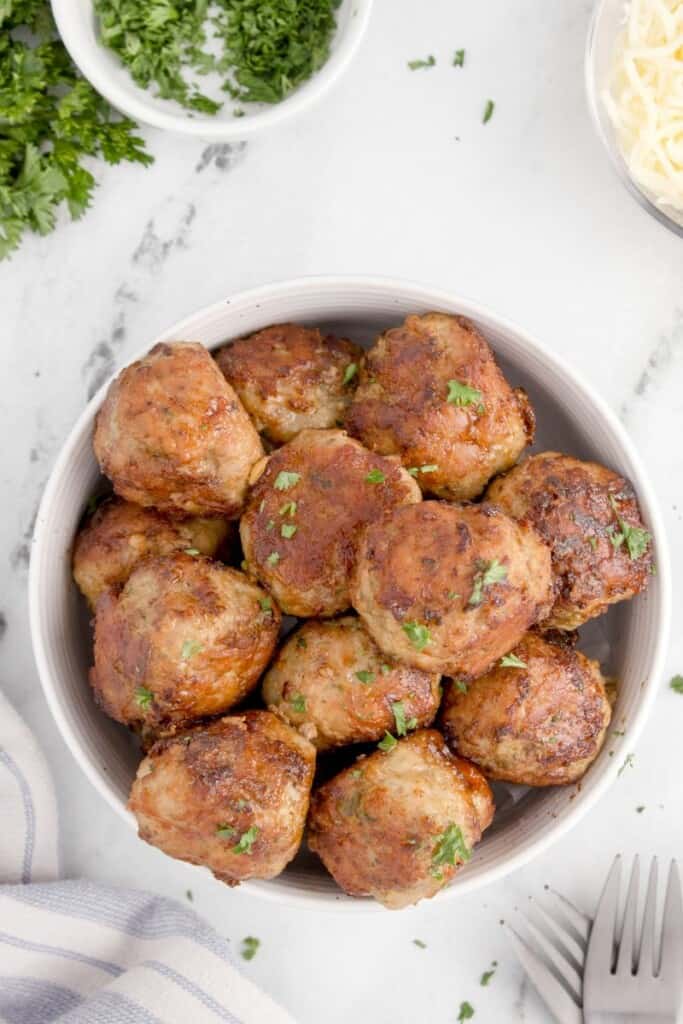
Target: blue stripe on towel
{"points": [[110, 1008], [193, 990], [34, 1001], [66, 954], [29, 813]]}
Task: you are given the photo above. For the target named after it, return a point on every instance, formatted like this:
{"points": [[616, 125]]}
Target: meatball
{"points": [[539, 718], [589, 516], [331, 681], [304, 513], [397, 825], [172, 433], [292, 378], [450, 588], [184, 638], [119, 534], [231, 796], [432, 393]]}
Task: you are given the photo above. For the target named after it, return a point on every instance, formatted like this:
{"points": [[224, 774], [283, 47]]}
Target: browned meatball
{"points": [[332, 682], [450, 588], [231, 796], [119, 535], [397, 825], [172, 433], [291, 378], [538, 718], [304, 513], [589, 516], [431, 392], [185, 638]]}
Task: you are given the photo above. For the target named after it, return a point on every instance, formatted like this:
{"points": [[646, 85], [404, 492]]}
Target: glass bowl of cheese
{"points": [[634, 78]]}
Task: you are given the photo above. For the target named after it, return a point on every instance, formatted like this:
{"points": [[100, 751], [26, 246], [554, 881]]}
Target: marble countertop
{"points": [[392, 174]]}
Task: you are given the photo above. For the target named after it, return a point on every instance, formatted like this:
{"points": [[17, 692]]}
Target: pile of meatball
{"points": [[438, 583]]}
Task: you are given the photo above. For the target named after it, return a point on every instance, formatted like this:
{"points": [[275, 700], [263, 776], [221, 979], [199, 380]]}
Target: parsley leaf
{"points": [[143, 697], [266, 605], [273, 558], [249, 948], [466, 1012], [488, 111], [462, 394], [676, 684], [428, 63], [189, 649], [460, 685], [191, 551], [418, 635], [512, 661], [287, 530], [459, 59], [486, 575], [247, 840], [298, 703], [225, 831], [432, 468], [285, 480], [349, 373], [419, 943], [387, 743], [375, 476], [288, 509], [449, 846], [365, 676], [487, 975], [637, 539], [403, 727]]}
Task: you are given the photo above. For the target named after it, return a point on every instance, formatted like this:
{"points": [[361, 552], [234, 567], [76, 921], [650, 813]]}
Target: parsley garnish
{"points": [[288, 509], [486, 575], [191, 551], [143, 697], [432, 468], [459, 59], [462, 394], [449, 845], [640, 809], [387, 743], [266, 605], [287, 530], [285, 480], [273, 558], [301, 642], [460, 685], [188, 893], [247, 840], [298, 703], [385, 669], [189, 649], [350, 372], [249, 947], [466, 1012], [418, 635], [487, 975], [375, 476], [51, 120], [636, 538], [628, 763], [403, 727], [512, 661], [225, 831], [419, 943], [488, 111], [676, 684], [428, 63], [365, 676]]}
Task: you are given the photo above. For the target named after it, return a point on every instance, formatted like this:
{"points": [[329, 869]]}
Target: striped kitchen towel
{"points": [[75, 952]]}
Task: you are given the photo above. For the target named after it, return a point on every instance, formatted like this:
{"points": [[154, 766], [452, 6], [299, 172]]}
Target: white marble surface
{"points": [[522, 214]]}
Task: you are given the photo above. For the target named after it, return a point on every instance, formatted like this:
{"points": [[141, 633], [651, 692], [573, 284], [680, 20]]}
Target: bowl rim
{"points": [[613, 152], [421, 295], [136, 106]]}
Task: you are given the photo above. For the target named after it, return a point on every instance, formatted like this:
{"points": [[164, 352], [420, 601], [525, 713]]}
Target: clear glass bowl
{"points": [[606, 23]]}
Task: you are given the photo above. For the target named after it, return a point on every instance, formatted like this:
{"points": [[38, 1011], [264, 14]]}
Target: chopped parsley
{"points": [[270, 525], [288, 509], [191, 551], [430, 468], [418, 635], [298, 703], [188, 893], [375, 476], [287, 530], [385, 669], [301, 642], [487, 975], [512, 661], [428, 63], [452, 595], [143, 697], [628, 763], [387, 743], [225, 831], [189, 649], [460, 685], [419, 943], [266, 605], [459, 59], [486, 575], [593, 541], [636, 538], [639, 810], [246, 841], [676, 684], [449, 845], [285, 480], [273, 558], [462, 394], [350, 372], [249, 948], [466, 1012], [365, 676], [488, 111], [403, 727]]}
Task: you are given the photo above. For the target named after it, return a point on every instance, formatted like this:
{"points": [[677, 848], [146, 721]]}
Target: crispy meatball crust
{"points": [[291, 378], [299, 530], [332, 682], [379, 826], [542, 723], [576, 507], [231, 796], [172, 433], [185, 638], [119, 535], [402, 407], [450, 588]]}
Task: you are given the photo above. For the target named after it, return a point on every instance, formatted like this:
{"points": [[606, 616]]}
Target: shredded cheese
{"points": [[644, 98]]}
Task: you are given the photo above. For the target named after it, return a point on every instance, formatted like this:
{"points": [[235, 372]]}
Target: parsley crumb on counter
{"points": [[488, 111], [466, 1012], [676, 684], [250, 947], [414, 65]]}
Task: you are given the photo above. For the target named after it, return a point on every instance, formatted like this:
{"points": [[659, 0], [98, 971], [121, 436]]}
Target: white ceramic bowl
{"points": [[630, 640], [605, 26], [78, 28]]}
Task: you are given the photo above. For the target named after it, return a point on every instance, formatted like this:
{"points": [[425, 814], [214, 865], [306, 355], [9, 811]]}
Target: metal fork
{"points": [[630, 976]]}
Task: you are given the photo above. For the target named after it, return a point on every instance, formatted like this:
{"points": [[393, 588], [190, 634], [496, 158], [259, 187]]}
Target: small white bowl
{"points": [[77, 26], [630, 640]]}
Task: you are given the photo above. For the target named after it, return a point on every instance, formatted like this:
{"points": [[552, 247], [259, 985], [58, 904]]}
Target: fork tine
{"points": [[551, 991], [647, 952], [562, 943], [601, 942], [628, 940], [672, 925], [573, 921]]}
